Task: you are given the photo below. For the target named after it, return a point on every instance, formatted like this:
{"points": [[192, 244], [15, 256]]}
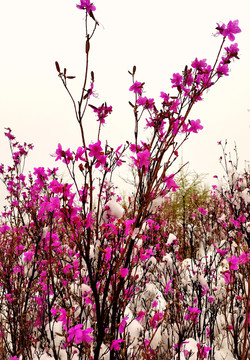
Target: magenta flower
{"points": [[202, 210], [236, 223], [28, 256], [124, 272], [193, 314], [86, 4], [229, 31], [233, 262], [136, 87], [95, 149], [141, 101], [232, 50], [59, 152], [53, 311], [195, 125], [116, 344], [89, 221], [202, 351], [144, 101], [123, 324], [222, 69], [174, 106], [232, 28], [107, 253], [143, 160], [244, 258], [222, 252], [199, 64], [165, 97], [227, 277], [141, 315], [77, 335], [79, 153], [168, 287], [102, 112], [170, 183], [63, 317], [177, 80], [154, 304]]}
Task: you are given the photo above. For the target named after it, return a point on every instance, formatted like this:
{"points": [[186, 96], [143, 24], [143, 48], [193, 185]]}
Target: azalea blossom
{"points": [[95, 149], [136, 87], [116, 344], [124, 272], [176, 80], [193, 314], [122, 325], [77, 335], [195, 125], [102, 112], [28, 256], [170, 183], [86, 4]]}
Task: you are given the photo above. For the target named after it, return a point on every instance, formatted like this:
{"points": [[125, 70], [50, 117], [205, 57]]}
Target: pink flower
{"points": [[143, 160], [124, 272], [222, 252], [77, 335], [154, 304], [67, 155], [86, 4], [222, 69], [79, 153], [236, 223], [97, 152], [232, 28], [174, 105], [144, 101], [59, 152], [193, 313], [177, 79], [170, 183], [63, 317], [165, 97], [168, 287], [227, 277], [89, 221], [202, 351], [244, 258], [202, 211], [232, 50], [102, 112], [199, 64], [122, 325], [141, 315], [107, 252], [157, 316], [28, 256], [53, 311], [116, 344], [141, 101], [195, 125], [136, 87], [95, 149], [233, 262]]}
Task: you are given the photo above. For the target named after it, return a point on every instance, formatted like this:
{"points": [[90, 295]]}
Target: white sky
{"points": [[160, 37]]}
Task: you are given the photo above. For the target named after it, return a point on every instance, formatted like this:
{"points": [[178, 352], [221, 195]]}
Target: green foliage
{"points": [[182, 204]]}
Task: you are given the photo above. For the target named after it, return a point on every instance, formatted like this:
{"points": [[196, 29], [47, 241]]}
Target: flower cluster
{"points": [[88, 274]]}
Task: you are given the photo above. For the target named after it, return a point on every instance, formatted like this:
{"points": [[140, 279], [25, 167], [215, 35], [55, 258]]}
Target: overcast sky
{"points": [[160, 37]]}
